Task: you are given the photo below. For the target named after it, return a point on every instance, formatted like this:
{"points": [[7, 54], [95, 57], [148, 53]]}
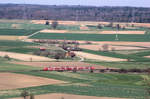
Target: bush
{"points": [[99, 26], [7, 57], [47, 23], [24, 94]]}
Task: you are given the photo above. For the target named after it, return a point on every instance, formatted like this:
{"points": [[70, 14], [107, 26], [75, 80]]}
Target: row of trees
{"points": [[54, 24], [75, 13]]}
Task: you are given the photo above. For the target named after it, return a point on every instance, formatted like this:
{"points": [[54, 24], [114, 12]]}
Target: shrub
{"points": [[7, 57]]}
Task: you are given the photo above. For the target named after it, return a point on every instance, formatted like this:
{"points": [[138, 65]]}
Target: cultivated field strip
{"points": [[97, 57], [25, 57]]}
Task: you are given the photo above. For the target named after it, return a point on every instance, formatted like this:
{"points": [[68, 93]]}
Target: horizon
{"points": [[97, 3]]}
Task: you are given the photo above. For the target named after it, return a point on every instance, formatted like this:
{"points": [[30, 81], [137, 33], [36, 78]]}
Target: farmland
{"points": [[133, 87], [93, 37], [15, 59], [17, 32]]}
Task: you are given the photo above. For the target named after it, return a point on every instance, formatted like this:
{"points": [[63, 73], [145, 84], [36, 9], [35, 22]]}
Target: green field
{"points": [[7, 43], [123, 65], [91, 84], [92, 37], [134, 57], [125, 85], [17, 32], [23, 50]]}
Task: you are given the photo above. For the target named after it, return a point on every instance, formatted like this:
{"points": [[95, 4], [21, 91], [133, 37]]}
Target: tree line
{"points": [[75, 13]]}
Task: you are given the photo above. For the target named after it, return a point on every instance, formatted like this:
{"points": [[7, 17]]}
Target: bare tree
{"points": [[118, 27], [7, 57], [32, 96], [105, 47], [24, 94], [54, 24], [57, 57], [110, 24], [147, 82], [113, 49], [99, 26]]}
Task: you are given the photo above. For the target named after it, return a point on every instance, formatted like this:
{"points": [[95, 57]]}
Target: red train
{"points": [[67, 68]]}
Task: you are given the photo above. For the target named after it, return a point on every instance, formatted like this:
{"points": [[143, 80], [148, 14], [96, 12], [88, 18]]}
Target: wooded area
{"points": [[75, 13]]}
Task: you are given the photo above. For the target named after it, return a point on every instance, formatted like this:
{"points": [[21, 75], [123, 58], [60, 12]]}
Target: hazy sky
{"points": [[137, 3]]}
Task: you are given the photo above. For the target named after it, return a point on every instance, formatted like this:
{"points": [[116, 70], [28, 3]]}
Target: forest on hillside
{"points": [[75, 13]]}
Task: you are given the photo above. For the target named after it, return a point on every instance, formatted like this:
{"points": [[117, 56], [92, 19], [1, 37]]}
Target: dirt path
{"points": [[97, 57], [68, 96], [13, 81], [25, 57]]}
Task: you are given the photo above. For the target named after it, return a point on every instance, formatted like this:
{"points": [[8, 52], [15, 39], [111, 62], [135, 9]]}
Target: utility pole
{"points": [[116, 38], [133, 16], [24, 11], [77, 15], [117, 29]]}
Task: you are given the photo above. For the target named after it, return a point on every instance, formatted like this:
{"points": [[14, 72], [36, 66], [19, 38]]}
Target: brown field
{"points": [[97, 57], [147, 56], [91, 23], [69, 22], [22, 37], [99, 47], [122, 32], [54, 31], [143, 44], [12, 37], [9, 37], [68, 96], [13, 81], [59, 64], [12, 21], [25, 57], [60, 22], [67, 31]]}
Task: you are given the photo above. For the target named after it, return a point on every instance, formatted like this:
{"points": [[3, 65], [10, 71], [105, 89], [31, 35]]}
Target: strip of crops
{"points": [[93, 37], [117, 55], [14, 43], [17, 32], [99, 85], [145, 53]]}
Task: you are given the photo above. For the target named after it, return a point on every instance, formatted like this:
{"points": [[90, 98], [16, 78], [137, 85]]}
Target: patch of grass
{"points": [[92, 37]]}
